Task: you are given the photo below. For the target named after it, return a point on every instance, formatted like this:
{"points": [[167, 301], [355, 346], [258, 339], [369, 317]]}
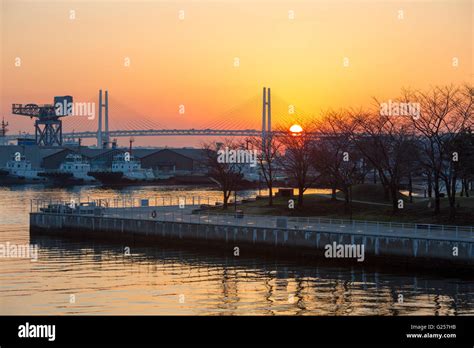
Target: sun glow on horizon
{"points": [[214, 57], [296, 129]]}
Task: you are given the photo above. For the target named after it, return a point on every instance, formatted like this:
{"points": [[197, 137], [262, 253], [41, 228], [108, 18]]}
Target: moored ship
{"points": [[125, 170], [74, 170], [19, 171]]}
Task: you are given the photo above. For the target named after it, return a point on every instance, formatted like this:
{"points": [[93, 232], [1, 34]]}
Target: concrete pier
{"points": [[421, 246]]}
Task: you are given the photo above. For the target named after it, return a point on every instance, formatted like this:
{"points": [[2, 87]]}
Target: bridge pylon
{"points": [[103, 135], [266, 115]]}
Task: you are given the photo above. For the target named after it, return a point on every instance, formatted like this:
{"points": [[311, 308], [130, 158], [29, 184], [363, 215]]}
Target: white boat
{"points": [[76, 165], [19, 170], [131, 168], [125, 170], [20, 166]]}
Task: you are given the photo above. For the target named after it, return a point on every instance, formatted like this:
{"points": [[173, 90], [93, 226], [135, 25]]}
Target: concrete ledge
{"points": [[298, 242]]}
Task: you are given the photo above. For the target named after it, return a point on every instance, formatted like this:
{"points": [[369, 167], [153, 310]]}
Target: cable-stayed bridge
{"points": [[115, 120], [168, 132]]}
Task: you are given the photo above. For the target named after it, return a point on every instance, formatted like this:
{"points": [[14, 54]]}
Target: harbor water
{"points": [[89, 277]]}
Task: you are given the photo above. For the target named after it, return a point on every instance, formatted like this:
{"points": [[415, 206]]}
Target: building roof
{"points": [[32, 153], [36, 154], [140, 153], [194, 154], [88, 152]]}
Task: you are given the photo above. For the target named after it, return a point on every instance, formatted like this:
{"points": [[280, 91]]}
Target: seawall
{"points": [[427, 252]]}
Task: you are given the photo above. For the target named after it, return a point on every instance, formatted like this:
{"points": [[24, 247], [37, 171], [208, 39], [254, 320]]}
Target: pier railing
{"points": [[315, 224], [37, 205], [196, 210]]}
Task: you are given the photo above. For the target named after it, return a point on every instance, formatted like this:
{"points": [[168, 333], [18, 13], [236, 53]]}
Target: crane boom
{"points": [[48, 126]]}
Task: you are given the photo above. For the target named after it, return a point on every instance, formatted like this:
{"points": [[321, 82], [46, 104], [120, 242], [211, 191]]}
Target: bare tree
{"points": [[445, 112], [226, 173], [465, 147], [296, 161], [335, 157], [269, 152], [384, 141], [412, 165]]}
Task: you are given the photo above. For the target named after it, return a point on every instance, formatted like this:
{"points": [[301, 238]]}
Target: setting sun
{"points": [[168, 159], [296, 129]]}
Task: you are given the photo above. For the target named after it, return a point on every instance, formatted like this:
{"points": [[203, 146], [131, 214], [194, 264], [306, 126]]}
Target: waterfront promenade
{"points": [[303, 235], [193, 214]]}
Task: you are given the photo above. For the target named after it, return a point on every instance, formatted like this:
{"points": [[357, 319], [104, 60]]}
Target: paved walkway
{"points": [[402, 230]]}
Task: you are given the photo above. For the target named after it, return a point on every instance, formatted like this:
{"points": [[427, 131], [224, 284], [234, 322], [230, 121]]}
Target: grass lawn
{"points": [[369, 192], [319, 205]]}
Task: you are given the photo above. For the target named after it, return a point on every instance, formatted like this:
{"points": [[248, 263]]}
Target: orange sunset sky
{"points": [[191, 61]]}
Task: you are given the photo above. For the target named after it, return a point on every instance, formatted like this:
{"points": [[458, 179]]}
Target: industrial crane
{"points": [[48, 124]]}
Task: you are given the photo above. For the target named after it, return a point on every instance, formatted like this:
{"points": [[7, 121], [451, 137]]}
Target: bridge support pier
{"points": [[103, 137], [266, 116]]}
